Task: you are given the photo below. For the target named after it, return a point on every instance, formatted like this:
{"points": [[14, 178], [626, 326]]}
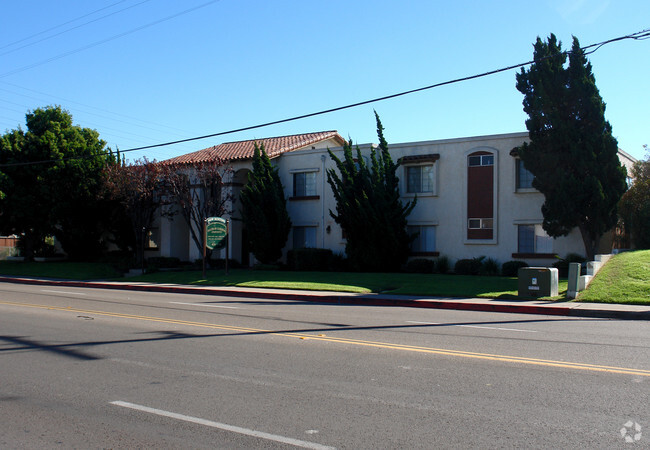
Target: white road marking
{"points": [[473, 326], [223, 426], [498, 328], [62, 292], [203, 304]]}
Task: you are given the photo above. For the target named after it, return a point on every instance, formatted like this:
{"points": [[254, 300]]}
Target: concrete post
{"points": [[574, 277]]}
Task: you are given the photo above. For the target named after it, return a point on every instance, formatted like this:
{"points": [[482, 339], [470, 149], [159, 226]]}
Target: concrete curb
{"points": [[626, 312]]}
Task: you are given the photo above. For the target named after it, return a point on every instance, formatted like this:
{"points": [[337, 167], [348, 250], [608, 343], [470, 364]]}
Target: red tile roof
{"points": [[240, 150]]}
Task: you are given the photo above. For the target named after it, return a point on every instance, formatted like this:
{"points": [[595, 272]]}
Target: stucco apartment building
{"points": [[474, 198]]}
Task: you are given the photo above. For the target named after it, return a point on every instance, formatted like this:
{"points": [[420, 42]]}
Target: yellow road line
{"points": [[358, 342]]}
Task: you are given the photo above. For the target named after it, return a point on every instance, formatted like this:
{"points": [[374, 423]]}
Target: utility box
{"points": [[538, 282]]}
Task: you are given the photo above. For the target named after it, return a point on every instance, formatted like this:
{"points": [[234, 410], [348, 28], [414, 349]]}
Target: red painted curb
{"points": [[348, 300]]}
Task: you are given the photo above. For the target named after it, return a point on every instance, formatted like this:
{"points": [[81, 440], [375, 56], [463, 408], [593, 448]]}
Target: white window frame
{"points": [[305, 227], [540, 238], [434, 179], [519, 166], [421, 188], [415, 228], [494, 154], [483, 160], [305, 173], [476, 223]]}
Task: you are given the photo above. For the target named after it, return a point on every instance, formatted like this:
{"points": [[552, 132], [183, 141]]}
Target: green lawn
{"points": [[63, 270], [624, 279], [388, 283]]}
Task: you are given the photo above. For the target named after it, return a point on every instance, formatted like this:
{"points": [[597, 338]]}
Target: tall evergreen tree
{"points": [[368, 207], [264, 209], [572, 152]]}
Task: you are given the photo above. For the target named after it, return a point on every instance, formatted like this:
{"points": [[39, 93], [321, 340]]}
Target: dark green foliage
{"points": [[52, 183], [220, 263], [420, 265], [162, 262], [135, 193], [572, 152], [511, 268], [310, 259], [442, 264], [119, 259], [562, 265], [264, 210], [468, 266], [368, 208], [489, 266], [635, 205]]}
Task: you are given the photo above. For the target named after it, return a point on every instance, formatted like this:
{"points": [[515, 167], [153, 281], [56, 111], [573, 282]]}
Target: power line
{"points": [[73, 28], [640, 35], [67, 101], [59, 26], [103, 41]]}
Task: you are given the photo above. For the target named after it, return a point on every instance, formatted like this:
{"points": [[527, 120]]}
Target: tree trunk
{"points": [[591, 243]]}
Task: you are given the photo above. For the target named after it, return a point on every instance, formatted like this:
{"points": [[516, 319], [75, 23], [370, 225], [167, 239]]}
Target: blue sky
{"points": [[151, 71]]}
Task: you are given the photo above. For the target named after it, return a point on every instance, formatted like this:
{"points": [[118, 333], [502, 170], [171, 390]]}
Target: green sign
{"points": [[215, 233]]}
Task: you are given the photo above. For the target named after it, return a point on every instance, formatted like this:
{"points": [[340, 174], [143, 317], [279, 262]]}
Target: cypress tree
{"points": [[572, 152], [264, 209], [368, 207]]}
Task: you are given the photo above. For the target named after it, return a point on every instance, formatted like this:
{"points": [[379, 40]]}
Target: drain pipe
{"points": [[322, 202]]}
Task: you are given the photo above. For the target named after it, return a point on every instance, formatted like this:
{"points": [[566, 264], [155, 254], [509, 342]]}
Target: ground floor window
{"points": [[425, 241], [533, 239], [304, 237]]}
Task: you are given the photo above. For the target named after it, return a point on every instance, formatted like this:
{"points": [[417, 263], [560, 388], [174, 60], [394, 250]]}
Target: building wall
{"points": [[446, 205]]}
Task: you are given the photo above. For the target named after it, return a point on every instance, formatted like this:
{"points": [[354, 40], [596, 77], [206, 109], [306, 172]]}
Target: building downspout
{"points": [[322, 202]]}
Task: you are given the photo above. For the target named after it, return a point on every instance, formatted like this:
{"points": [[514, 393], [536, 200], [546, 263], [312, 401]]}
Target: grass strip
{"points": [[624, 279], [63, 270]]}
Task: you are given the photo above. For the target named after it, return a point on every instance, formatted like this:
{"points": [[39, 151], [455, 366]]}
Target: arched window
{"points": [[480, 196]]}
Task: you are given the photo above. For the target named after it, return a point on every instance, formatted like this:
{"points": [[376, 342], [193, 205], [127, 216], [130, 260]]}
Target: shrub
{"points": [[267, 267], [490, 266], [420, 265], [162, 262], [120, 259], [468, 266], [511, 268], [339, 263], [442, 265], [309, 259], [220, 263], [562, 265]]}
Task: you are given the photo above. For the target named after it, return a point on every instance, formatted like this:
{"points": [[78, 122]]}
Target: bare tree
{"points": [[141, 189], [197, 191]]}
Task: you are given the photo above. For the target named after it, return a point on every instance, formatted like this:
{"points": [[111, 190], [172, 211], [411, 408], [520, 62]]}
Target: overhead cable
{"points": [[640, 35]]}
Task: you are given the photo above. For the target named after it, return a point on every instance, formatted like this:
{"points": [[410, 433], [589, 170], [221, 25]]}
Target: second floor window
{"points": [[524, 177], [304, 184], [419, 179]]}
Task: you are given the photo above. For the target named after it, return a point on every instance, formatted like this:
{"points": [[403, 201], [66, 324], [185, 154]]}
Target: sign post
{"points": [[215, 236]]}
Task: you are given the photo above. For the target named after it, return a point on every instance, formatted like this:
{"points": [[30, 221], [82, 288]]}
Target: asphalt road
{"points": [[90, 368]]}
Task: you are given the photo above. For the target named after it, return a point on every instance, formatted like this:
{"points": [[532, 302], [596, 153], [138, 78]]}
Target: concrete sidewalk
{"points": [[574, 309]]}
